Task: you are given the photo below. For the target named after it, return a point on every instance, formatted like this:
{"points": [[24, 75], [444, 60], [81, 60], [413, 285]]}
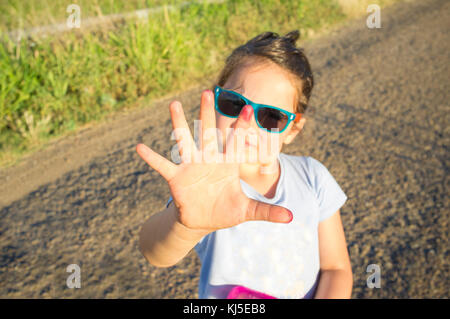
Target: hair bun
{"points": [[293, 36], [264, 36]]}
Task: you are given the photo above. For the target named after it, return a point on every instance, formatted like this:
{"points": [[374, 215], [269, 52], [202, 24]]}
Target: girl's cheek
{"points": [[270, 141], [268, 146]]}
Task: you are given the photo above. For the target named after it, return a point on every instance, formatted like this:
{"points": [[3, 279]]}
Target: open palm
{"points": [[205, 186]]}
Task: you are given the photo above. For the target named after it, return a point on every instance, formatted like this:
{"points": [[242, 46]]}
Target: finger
{"points": [[166, 168], [257, 210], [244, 118], [236, 140], [208, 131], [183, 136]]}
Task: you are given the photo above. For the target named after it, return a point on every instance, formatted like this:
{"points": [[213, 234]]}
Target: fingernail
{"points": [[178, 107], [289, 217], [174, 106], [292, 217], [246, 113], [207, 92]]}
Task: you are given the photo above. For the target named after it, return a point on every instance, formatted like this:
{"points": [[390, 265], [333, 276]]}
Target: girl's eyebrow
{"points": [[237, 87]]}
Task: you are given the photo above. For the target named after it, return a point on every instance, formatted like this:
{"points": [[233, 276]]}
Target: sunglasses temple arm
{"points": [[297, 118]]}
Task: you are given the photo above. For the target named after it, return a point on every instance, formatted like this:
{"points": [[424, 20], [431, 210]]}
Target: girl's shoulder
{"points": [[306, 166], [330, 196]]}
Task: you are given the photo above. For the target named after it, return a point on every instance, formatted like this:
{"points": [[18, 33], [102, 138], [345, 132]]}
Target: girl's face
{"points": [[264, 83]]}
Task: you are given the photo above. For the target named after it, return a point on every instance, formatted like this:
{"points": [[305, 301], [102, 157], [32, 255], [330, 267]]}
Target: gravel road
{"points": [[379, 121]]}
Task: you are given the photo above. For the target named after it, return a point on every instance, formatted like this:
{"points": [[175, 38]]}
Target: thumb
{"points": [[159, 163], [257, 210]]}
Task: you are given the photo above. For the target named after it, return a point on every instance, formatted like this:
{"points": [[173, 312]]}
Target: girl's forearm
{"points": [[334, 284], [164, 241]]}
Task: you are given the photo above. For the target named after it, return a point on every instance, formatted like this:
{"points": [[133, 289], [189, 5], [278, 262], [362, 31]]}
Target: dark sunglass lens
{"points": [[272, 119], [230, 104]]}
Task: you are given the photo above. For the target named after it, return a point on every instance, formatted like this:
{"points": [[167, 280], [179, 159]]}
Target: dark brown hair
{"points": [[280, 50]]}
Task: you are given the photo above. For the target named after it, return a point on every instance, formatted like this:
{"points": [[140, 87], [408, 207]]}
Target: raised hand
{"points": [[205, 186]]}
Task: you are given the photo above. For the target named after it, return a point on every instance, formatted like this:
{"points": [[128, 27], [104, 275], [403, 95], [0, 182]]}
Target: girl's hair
{"points": [[280, 50]]}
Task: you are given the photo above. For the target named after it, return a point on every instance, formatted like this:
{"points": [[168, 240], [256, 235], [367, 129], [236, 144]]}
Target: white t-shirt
{"points": [[281, 260]]}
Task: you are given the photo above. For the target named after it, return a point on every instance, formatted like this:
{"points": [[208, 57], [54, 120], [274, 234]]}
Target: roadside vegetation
{"points": [[50, 86]]}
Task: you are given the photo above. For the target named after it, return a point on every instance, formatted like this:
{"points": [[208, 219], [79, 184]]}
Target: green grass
{"points": [[53, 86], [31, 13]]}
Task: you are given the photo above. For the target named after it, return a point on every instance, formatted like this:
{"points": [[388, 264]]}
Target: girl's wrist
{"points": [[183, 231]]}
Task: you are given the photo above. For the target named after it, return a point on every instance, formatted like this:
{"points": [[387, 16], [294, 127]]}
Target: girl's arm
{"points": [[336, 278], [164, 241]]}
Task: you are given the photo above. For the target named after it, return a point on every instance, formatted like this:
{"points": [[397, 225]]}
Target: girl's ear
{"points": [[295, 129]]}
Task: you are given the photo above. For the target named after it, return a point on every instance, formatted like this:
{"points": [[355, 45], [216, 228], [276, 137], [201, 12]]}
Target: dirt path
{"points": [[379, 122]]}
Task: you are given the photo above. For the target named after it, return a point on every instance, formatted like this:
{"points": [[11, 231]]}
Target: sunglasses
{"points": [[269, 118]]}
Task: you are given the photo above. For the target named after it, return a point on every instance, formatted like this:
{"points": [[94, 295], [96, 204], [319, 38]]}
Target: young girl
{"points": [[269, 226]]}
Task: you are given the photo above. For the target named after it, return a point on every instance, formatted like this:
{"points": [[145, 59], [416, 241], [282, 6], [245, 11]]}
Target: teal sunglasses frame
{"points": [[291, 116]]}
